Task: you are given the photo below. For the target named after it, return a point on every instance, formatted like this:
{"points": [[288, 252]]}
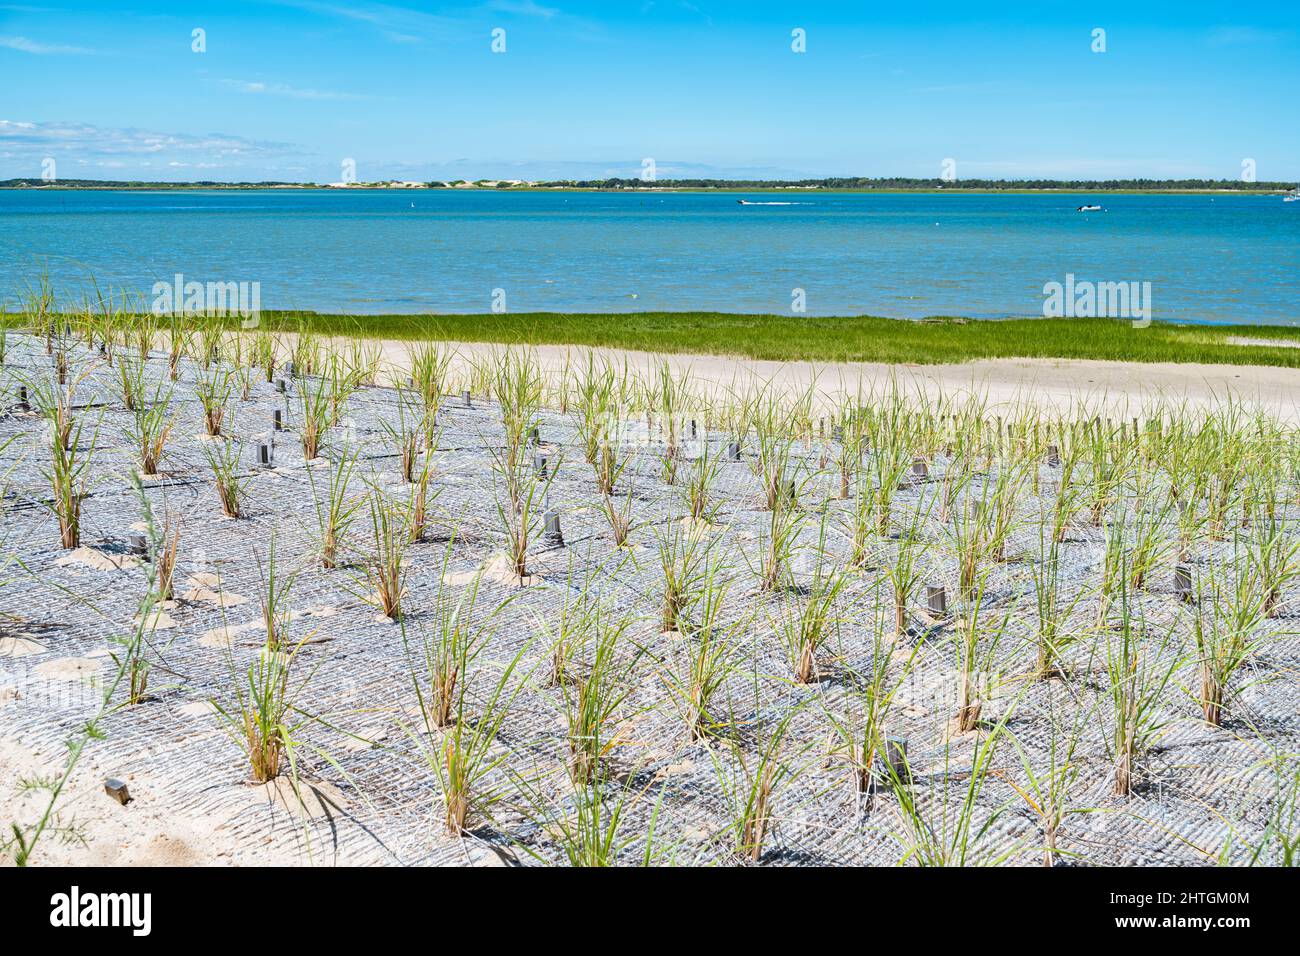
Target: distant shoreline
{"points": [[696, 191], [976, 187]]}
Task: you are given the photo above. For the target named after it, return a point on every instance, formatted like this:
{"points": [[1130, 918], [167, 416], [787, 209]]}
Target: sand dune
{"points": [[1116, 387]]}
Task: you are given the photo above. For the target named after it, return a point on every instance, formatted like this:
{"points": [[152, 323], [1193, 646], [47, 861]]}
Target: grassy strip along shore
{"points": [[805, 338], [829, 339]]}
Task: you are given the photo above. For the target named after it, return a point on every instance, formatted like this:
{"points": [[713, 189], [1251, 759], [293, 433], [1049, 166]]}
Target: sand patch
{"points": [[1269, 343], [98, 560], [315, 613], [70, 668], [1117, 388], [698, 527], [498, 569], [20, 647], [206, 586], [224, 637], [199, 708], [157, 620], [149, 831], [314, 799], [368, 738], [217, 598]]}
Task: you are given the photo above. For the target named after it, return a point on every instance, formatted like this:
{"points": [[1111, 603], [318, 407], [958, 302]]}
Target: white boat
{"points": [[1088, 208]]}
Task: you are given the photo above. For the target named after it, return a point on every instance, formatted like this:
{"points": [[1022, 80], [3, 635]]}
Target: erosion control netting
{"points": [[1201, 793]]}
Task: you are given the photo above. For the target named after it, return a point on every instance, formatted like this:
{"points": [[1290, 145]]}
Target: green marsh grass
{"points": [[683, 561], [942, 822], [824, 339], [213, 390], [430, 364], [449, 644], [317, 411], [593, 698], [1140, 666], [700, 667], [1051, 781], [752, 785], [465, 754], [702, 472], [863, 725], [806, 622], [385, 568], [262, 716], [274, 592], [336, 509], [68, 472], [1054, 605], [979, 631], [151, 425], [1229, 609], [588, 826], [228, 478]]}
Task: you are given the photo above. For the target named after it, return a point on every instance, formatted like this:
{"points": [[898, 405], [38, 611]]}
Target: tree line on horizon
{"points": [[837, 182], [900, 182]]}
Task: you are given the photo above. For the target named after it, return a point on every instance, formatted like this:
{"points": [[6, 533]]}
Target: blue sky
{"points": [[287, 89]]}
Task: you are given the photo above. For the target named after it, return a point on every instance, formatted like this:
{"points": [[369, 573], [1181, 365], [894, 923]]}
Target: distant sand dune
{"points": [[1119, 388]]}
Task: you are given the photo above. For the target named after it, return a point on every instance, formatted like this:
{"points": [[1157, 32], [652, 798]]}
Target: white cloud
{"points": [[24, 45], [284, 89], [401, 24], [523, 8], [398, 24], [1248, 36], [42, 139]]}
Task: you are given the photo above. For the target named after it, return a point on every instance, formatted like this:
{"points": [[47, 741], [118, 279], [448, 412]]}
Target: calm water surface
{"points": [[1215, 259]]}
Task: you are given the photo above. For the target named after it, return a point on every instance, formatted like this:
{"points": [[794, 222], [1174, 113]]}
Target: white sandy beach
{"points": [[1117, 388]]}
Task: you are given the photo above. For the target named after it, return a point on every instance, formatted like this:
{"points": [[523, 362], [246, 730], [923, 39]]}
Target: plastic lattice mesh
{"points": [[1202, 793]]}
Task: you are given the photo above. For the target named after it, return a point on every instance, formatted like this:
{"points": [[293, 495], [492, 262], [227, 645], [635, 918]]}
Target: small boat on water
{"points": [[1292, 196], [1089, 208]]}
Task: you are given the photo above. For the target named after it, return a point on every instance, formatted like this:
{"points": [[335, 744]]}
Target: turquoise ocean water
{"points": [[1208, 259]]}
